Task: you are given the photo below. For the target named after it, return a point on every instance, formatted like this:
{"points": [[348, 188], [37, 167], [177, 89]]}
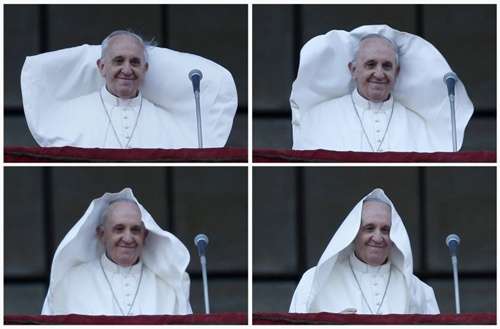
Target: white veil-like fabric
{"points": [[50, 80], [323, 75], [401, 257], [164, 254]]}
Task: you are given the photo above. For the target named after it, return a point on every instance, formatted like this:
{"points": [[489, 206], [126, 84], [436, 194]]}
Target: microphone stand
{"points": [[454, 263], [198, 118], [453, 122], [203, 261]]}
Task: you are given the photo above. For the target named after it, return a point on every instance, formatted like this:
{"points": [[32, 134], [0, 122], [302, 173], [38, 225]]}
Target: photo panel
{"points": [[281, 31], [219, 51], [298, 210], [44, 203]]}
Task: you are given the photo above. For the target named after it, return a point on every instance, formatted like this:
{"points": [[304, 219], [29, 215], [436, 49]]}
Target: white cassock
{"points": [[340, 281], [323, 114], [84, 281], [119, 123], [62, 104], [377, 127]]}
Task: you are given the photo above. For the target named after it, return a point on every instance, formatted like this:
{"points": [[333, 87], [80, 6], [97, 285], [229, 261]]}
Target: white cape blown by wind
{"points": [[51, 79], [421, 297], [323, 75], [164, 254]]}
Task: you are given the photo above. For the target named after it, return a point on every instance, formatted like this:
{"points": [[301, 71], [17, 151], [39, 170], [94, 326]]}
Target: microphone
{"points": [[449, 80], [452, 241], [195, 76], [201, 242]]}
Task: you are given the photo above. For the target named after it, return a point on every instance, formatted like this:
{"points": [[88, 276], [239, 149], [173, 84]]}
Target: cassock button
{"points": [[378, 130], [125, 117], [127, 137], [126, 127], [379, 140]]}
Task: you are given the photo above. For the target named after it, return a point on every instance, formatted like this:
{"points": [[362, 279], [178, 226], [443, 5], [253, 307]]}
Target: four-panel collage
{"points": [[249, 164]]}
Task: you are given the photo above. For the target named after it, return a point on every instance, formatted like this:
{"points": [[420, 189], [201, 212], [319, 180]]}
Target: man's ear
{"points": [[352, 68], [397, 70], [100, 66], [99, 232], [147, 66]]}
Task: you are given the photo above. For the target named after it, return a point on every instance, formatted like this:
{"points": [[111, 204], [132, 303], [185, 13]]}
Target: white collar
{"points": [[359, 266], [365, 104], [112, 100], [114, 268]]}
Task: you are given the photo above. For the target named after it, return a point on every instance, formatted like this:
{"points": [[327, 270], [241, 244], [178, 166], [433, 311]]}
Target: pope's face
{"points": [[123, 66], [123, 234], [373, 244], [375, 70]]}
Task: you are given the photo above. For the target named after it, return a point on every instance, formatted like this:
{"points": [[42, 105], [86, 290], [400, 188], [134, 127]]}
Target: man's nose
{"points": [[127, 68], [377, 236], [127, 237], [379, 72]]}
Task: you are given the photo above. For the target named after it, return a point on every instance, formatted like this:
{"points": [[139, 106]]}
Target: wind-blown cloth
{"points": [[311, 295], [164, 257], [51, 82], [323, 76]]}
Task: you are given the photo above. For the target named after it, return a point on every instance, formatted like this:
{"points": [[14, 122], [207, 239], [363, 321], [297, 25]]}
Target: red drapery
{"points": [[219, 318], [267, 155], [330, 318], [76, 154], [259, 318]]}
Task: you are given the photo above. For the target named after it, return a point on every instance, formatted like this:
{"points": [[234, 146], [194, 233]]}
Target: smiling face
{"points": [[122, 233], [373, 244], [375, 69], [123, 66]]}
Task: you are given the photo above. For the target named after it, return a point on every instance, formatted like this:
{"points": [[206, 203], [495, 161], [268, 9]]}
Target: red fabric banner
{"points": [[76, 154], [331, 318], [219, 318], [267, 155]]}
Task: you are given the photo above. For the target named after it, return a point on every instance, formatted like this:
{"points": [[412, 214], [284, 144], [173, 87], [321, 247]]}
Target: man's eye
{"points": [[370, 65], [387, 66]]}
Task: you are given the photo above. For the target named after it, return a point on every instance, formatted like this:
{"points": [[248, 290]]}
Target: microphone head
{"points": [[452, 238], [452, 241], [449, 80], [201, 241], [450, 75], [195, 74], [200, 237]]}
